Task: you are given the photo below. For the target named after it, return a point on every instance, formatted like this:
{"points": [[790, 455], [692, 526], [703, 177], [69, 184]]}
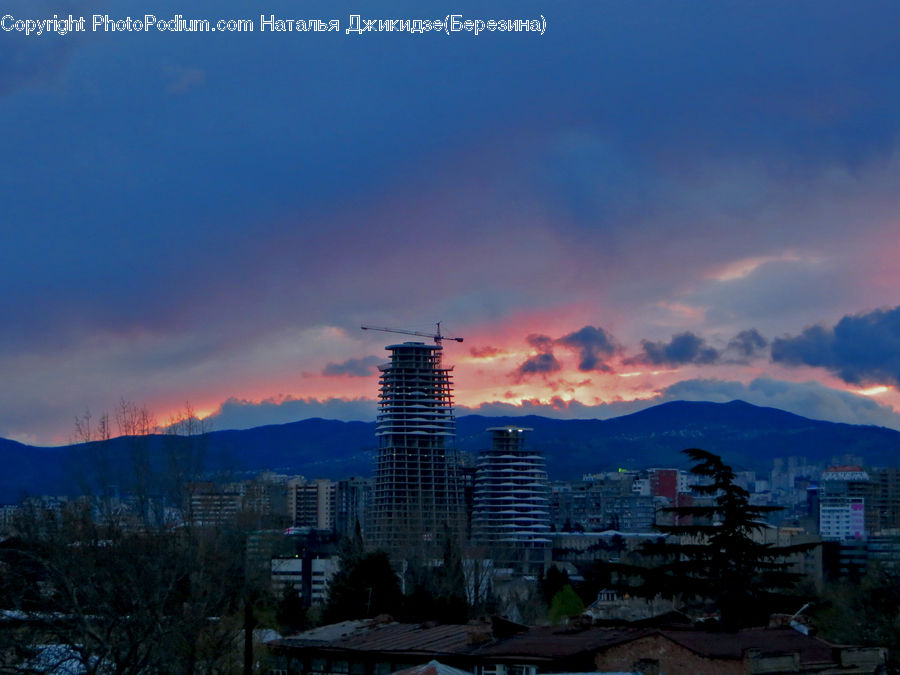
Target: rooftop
{"points": [[550, 644]]}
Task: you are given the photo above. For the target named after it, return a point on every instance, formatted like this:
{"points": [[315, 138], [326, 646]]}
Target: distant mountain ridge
{"points": [[747, 436]]}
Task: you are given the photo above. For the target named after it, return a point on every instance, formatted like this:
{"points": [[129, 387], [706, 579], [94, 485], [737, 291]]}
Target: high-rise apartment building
{"points": [[845, 504], [213, 504], [886, 499], [352, 502], [512, 500], [417, 496], [312, 503]]}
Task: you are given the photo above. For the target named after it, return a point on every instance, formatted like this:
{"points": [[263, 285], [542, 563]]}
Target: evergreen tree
{"points": [[564, 605], [365, 586], [438, 591], [451, 604], [552, 583], [713, 555], [290, 613]]}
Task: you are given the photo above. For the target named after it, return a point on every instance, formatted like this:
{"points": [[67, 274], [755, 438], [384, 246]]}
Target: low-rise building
{"points": [[381, 647], [308, 576]]}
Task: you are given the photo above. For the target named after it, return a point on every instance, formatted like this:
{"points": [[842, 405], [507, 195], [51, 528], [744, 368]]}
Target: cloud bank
{"points": [[809, 399], [363, 367], [593, 345], [860, 349]]}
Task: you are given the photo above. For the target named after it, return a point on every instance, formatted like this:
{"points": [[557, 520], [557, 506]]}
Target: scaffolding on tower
{"points": [[417, 497]]}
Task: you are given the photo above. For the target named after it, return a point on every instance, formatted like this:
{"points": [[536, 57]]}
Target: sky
{"points": [[646, 201]]}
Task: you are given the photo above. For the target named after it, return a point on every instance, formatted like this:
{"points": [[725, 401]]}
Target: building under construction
{"points": [[512, 502], [417, 497]]}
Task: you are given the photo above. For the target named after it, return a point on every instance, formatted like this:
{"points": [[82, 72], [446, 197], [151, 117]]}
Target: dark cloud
{"points": [[542, 363], [860, 349], [594, 345], [746, 345], [573, 188], [539, 363], [485, 352], [353, 367], [683, 348], [543, 343]]}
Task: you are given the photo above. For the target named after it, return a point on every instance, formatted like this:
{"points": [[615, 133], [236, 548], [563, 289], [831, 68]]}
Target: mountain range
{"points": [[747, 436]]}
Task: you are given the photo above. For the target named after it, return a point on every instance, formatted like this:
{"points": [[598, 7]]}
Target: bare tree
{"points": [[93, 466], [124, 596], [185, 453], [144, 602], [136, 423]]}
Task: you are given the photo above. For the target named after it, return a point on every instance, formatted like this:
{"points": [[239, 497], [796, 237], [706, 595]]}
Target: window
{"points": [[492, 669]]}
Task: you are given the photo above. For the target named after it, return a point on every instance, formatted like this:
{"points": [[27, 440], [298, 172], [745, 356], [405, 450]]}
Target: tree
{"points": [[553, 582], [564, 605], [865, 613], [365, 586], [141, 602], [713, 552], [125, 594], [184, 450], [290, 614], [438, 591]]}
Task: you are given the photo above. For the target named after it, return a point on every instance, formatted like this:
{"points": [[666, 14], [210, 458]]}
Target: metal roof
{"points": [[372, 636], [548, 643]]}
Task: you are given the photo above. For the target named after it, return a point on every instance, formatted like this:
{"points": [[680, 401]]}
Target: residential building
{"points": [[312, 503], [373, 647], [308, 577], [886, 499], [8, 513], [352, 501], [511, 500], [845, 504], [215, 504]]}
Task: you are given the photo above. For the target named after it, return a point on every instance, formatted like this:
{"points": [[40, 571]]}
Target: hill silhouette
{"points": [[747, 436]]}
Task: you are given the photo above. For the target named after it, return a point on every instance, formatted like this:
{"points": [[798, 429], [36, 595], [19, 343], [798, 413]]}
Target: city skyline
{"points": [[648, 202]]}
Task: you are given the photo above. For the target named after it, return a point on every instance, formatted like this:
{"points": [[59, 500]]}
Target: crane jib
{"points": [[437, 337]]}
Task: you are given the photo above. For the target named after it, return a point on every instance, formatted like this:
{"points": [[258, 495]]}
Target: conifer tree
{"points": [[712, 552], [363, 588]]}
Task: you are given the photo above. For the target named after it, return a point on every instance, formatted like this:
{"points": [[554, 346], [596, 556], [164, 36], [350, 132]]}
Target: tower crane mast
{"points": [[436, 336]]}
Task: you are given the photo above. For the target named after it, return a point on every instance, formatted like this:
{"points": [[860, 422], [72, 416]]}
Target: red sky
{"points": [[210, 218]]}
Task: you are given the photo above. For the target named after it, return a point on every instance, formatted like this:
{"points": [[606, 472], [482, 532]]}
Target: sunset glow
{"points": [[636, 206], [873, 391]]}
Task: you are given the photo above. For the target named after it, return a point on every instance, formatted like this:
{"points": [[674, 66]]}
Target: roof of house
{"points": [[373, 636], [553, 642], [549, 643], [721, 645]]}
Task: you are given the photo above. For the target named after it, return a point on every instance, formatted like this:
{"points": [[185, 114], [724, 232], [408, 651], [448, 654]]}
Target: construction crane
{"points": [[437, 337]]}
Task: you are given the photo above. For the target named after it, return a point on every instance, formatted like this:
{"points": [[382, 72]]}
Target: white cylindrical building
{"points": [[511, 495]]}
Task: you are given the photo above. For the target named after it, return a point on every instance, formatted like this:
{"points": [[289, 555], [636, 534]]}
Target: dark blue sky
{"points": [[209, 217]]}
